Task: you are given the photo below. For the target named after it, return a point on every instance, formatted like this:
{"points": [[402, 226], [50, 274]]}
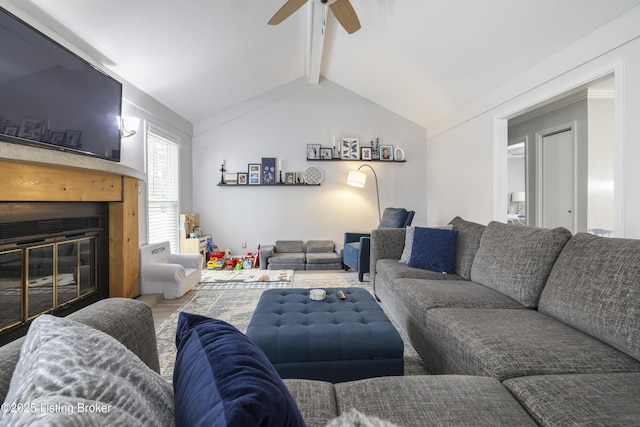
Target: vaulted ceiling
{"points": [[422, 59]]}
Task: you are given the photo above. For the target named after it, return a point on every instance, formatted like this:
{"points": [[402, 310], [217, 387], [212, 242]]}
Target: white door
{"points": [[558, 180]]}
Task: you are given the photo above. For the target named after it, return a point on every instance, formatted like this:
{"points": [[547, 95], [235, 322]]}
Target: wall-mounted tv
{"points": [[52, 98]]}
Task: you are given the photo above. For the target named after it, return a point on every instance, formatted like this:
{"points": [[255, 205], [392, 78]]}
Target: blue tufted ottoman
{"points": [[332, 340]]}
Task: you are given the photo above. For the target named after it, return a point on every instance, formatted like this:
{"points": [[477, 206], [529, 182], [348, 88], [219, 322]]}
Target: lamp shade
{"points": [[357, 179], [518, 196]]}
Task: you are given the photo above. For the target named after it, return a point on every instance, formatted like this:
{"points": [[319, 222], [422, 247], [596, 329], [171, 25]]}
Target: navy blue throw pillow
{"points": [[221, 378], [434, 249]]}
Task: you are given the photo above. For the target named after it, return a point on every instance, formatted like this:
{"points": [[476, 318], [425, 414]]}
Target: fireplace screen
{"points": [[40, 278]]}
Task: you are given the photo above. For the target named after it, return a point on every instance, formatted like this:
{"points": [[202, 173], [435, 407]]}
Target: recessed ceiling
{"points": [[422, 59]]}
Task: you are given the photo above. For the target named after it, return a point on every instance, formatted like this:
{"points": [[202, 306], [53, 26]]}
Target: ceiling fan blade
{"points": [[286, 10], [346, 15]]}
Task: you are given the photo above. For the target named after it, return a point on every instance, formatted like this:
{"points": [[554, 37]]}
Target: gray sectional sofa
{"points": [[555, 318]]}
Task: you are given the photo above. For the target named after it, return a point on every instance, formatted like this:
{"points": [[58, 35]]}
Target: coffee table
{"points": [[332, 340]]}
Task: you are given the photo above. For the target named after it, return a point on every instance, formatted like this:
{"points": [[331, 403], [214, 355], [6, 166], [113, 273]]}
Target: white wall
{"points": [[280, 124], [467, 163]]}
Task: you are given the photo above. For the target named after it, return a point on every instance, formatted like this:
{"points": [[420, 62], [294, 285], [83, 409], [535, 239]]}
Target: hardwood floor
{"points": [[163, 308]]}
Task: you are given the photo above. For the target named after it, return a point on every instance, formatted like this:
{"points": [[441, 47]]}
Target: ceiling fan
{"points": [[342, 10]]}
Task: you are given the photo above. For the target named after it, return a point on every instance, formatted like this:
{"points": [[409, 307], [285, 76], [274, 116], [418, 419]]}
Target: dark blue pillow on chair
{"points": [[434, 249], [221, 378]]}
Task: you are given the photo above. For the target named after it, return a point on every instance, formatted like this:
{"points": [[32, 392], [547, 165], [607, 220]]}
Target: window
{"points": [[163, 187]]}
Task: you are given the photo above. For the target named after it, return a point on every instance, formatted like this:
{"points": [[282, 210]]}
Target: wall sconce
{"points": [[358, 179], [128, 126]]}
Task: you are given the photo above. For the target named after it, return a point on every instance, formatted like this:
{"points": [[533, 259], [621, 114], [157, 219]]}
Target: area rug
{"points": [[245, 279], [236, 306]]}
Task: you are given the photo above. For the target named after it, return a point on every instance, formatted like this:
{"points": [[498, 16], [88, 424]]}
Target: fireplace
{"points": [[53, 259]]}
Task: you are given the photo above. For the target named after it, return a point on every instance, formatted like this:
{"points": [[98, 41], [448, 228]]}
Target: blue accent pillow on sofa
{"points": [[434, 249], [221, 378]]}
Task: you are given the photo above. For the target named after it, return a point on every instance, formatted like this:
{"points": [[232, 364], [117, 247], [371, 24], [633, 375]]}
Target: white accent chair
{"points": [[162, 272]]}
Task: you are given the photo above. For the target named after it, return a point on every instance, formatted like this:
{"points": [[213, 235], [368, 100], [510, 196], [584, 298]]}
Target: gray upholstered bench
{"points": [[332, 340]]}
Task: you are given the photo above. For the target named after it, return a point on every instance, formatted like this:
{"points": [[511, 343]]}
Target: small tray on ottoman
{"points": [[332, 340]]}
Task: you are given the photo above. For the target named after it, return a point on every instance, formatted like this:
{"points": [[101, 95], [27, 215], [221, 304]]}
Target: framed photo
{"points": [[386, 152], [31, 129], [350, 148], [12, 131], [366, 153], [57, 138], [242, 178], [313, 151], [254, 173], [289, 178], [268, 170], [299, 178], [72, 138], [326, 153]]}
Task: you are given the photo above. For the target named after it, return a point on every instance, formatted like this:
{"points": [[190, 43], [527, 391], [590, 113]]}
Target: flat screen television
{"points": [[52, 98]]}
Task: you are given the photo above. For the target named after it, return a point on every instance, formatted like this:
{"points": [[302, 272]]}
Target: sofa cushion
{"points": [[391, 269], [221, 378], [289, 246], [433, 400], [595, 287], [320, 246], [434, 249], [512, 343], [516, 260], [467, 244], [316, 400], [587, 400], [93, 378], [323, 258]]}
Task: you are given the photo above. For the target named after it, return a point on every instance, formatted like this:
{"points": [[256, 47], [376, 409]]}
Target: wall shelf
{"points": [[356, 160], [269, 185]]}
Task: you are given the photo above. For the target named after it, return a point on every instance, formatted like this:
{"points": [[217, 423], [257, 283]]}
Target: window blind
{"points": [[163, 187]]}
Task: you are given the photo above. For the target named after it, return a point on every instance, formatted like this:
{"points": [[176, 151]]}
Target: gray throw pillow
{"points": [[408, 242], [71, 374]]}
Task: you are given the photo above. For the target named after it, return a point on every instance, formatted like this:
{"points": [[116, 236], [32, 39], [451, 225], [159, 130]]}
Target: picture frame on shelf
{"points": [[12, 131], [242, 178], [31, 129], [269, 170], [72, 138], [350, 148], [326, 153], [254, 174], [313, 151], [366, 153], [299, 178], [57, 138], [289, 178], [386, 153]]}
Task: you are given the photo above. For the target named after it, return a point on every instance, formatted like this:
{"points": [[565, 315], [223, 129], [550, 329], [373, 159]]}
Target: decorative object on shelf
{"points": [[299, 178], [31, 129], [375, 153], [255, 173], [313, 151], [313, 175], [398, 154], [242, 178], [350, 148], [289, 178], [326, 153], [268, 170], [231, 178], [366, 153], [356, 178], [222, 171], [386, 152]]}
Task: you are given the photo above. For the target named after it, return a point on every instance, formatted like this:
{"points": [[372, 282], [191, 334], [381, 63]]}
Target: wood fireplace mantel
{"points": [[33, 182]]}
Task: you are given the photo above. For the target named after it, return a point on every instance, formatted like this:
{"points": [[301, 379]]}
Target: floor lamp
{"points": [[357, 178]]}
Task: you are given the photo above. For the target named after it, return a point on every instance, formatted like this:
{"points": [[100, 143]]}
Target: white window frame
{"points": [[163, 187]]}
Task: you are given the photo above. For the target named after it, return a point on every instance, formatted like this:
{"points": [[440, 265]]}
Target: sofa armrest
{"points": [[186, 260], [350, 237], [387, 243], [161, 272], [266, 252]]}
